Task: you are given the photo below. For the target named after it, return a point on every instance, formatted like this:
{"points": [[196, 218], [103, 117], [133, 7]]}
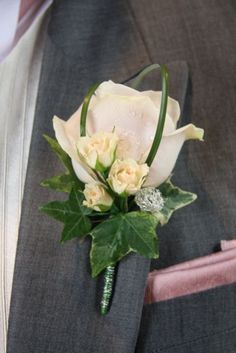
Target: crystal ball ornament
{"points": [[149, 199]]}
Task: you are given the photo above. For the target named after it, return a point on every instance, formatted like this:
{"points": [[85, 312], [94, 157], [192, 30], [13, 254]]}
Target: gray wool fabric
{"points": [[55, 302]]}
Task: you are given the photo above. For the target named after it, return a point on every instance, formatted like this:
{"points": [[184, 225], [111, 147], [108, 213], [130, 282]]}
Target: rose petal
{"points": [[109, 87], [134, 115], [168, 152], [173, 108], [134, 118], [66, 137], [81, 173], [70, 130]]}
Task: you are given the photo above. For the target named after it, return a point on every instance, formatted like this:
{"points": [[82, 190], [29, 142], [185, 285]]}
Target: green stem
{"points": [[131, 204], [124, 204], [85, 106], [137, 78], [100, 177], [135, 82], [162, 116], [109, 278], [126, 207]]}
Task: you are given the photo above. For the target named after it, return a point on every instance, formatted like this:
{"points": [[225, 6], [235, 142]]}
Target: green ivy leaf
{"points": [[120, 235], [64, 182], [174, 198], [72, 213]]}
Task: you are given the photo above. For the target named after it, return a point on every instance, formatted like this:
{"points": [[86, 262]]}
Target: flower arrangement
{"points": [[119, 150]]}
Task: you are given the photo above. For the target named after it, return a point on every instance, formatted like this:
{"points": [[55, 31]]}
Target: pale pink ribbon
{"points": [[193, 276]]}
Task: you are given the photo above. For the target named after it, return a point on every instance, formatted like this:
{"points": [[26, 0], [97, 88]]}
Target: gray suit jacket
{"points": [[54, 306]]}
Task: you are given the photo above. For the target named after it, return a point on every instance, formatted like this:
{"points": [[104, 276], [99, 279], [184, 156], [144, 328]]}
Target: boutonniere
{"points": [[119, 150]]}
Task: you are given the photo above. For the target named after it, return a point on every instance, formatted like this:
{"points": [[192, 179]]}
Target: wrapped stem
{"points": [[109, 278]]}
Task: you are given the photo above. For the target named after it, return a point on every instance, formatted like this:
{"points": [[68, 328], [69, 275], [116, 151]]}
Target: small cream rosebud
{"points": [[126, 177], [98, 151], [97, 197]]}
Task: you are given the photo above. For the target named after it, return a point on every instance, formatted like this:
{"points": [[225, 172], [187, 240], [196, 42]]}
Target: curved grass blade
{"points": [[137, 79], [85, 106], [162, 116], [140, 75]]}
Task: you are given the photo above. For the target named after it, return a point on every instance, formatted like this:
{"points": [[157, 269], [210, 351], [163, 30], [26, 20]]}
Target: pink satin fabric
{"points": [[193, 276]]}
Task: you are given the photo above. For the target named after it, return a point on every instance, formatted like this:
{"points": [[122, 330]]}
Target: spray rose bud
{"points": [[126, 177], [98, 151], [97, 197]]}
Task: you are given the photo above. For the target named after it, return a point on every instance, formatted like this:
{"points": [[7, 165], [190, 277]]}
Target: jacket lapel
{"points": [[55, 302]]}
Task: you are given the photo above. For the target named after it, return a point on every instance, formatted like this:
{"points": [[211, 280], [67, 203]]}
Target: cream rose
{"points": [[98, 151], [135, 116], [127, 176], [97, 197]]}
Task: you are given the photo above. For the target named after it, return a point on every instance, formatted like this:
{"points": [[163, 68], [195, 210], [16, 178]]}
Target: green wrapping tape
{"points": [[109, 277]]}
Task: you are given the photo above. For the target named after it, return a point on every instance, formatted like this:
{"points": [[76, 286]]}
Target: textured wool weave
{"points": [[19, 78], [55, 301]]}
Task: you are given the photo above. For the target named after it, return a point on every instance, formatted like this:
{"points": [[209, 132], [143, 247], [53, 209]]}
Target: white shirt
{"points": [[11, 28], [19, 78], [9, 12]]}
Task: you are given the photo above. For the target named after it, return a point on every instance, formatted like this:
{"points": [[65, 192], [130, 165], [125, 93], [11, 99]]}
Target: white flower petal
{"points": [[168, 152], [134, 118], [67, 142], [109, 87], [81, 172], [134, 115], [173, 108], [68, 132], [65, 136]]}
